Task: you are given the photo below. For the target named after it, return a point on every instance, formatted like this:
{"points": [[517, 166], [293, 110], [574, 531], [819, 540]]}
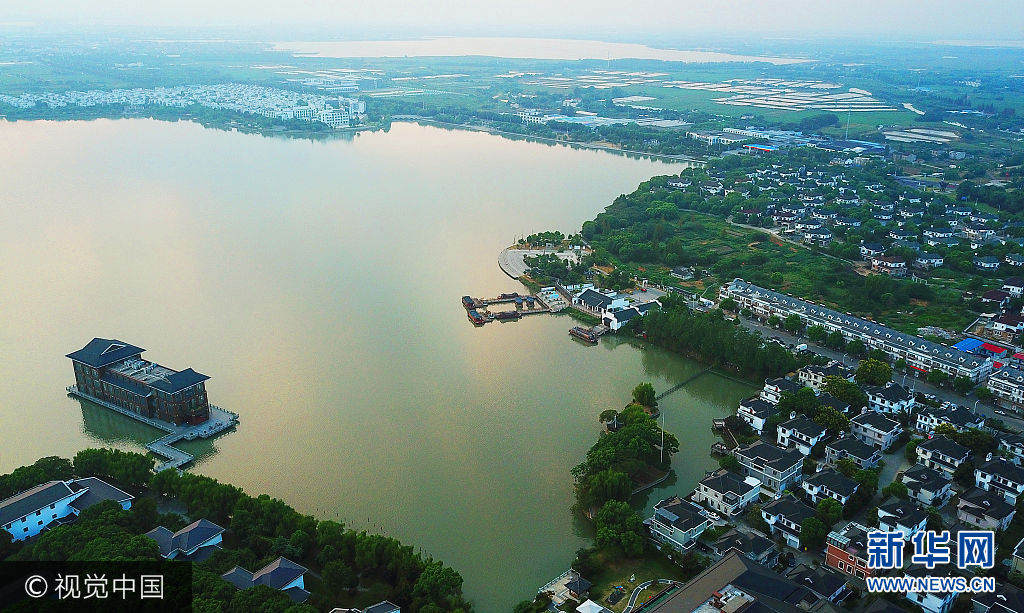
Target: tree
{"points": [[793, 323], [873, 372], [829, 511], [847, 467], [803, 401], [730, 463], [756, 520], [817, 333], [728, 304], [846, 391], [832, 419], [936, 377], [934, 519], [618, 527], [871, 517], [897, 489], [337, 578], [856, 347], [810, 466], [643, 394], [910, 451], [608, 415], [962, 384], [812, 533], [774, 321], [964, 474], [835, 340]]}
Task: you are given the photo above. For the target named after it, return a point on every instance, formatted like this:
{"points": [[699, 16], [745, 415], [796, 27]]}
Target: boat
{"points": [[476, 317], [508, 295], [507, 315], [583, 334], [468, 302]]}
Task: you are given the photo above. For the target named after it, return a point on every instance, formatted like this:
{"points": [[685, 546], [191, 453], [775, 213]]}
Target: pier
{"points": [[219, 421], [477, 308]]}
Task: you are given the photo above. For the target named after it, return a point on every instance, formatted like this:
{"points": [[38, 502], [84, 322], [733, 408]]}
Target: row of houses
{"points": [[920, 354]]}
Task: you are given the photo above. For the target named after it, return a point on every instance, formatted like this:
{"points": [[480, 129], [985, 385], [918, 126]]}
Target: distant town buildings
{"points": [[336, 112]]}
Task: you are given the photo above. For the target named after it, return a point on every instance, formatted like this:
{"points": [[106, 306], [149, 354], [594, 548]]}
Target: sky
{"points": [[903, 19]]}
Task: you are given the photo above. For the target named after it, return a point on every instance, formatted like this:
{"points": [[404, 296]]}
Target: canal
{"points": [[318, 284]]}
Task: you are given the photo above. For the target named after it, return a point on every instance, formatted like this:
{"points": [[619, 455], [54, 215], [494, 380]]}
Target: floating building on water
{"points": [[114, 371]]}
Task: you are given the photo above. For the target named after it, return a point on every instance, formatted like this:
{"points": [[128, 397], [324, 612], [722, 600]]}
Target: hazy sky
{"points": [[946, 19]]}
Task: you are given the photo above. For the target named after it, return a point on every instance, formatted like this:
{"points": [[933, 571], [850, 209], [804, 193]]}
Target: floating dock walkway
{"points": [[219, 421]]}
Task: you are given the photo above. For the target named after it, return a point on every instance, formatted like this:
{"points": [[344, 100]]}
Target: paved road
{"points": [[911, 382], [640, 588]]}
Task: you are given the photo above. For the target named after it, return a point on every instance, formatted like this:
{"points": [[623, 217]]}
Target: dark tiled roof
{"points": [[945, 447], [189, 537], [383, 607], [726, 482], [876, 421], [278, 573], [905, 512], [758, 407], [922, 477], [990, 504], [102, 351], [678, 513], [594, 299], [776, 457], [892, 392], [32, 500], [833, 480], [751, 545], [99, 490], [179, 381], [790, 508], [1003, 468], [853, 447], [804, 426]]}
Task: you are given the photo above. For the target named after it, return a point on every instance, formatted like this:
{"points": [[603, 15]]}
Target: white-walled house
{"points": [[850, 447], [785, 517], [727, 493], [801, 433], [1000, 476], [830, 483], [776, 468], [962, 419], [930, 602], [755, 411], [890, 398], [774, 389], [677, 523], [813, 375], [930, 487], [942, 454], [876, 429], [28, 513], [903, 516]]}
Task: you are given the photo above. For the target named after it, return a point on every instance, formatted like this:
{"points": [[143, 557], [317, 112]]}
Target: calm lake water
{"points": [[318, 284], [512, 47]]}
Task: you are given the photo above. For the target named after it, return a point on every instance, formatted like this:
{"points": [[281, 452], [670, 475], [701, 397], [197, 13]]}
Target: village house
{"points": [[850, 447], [890, 398], [727, 493], [1000, 476], [784, 518], [677, 523], [987, 510], [875, 429], [777, 469], [813, 375], [801, 433], [846, 550], [903, 516], [942, 454], [929, 487], [829, 483]]}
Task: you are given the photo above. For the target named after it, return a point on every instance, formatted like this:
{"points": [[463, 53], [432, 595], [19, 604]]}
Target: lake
{"points": [[513, 47], [318, 284]]}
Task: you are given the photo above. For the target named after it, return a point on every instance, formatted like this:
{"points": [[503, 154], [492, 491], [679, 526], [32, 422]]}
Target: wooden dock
{"points": [[219, 421], [527, 304]]}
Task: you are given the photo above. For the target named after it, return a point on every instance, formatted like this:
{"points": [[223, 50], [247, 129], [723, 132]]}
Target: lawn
{"points": [[654, 565]]}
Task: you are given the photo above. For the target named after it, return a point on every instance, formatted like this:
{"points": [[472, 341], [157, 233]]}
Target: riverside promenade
{"points": [[513, 261], [219, 421]]}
